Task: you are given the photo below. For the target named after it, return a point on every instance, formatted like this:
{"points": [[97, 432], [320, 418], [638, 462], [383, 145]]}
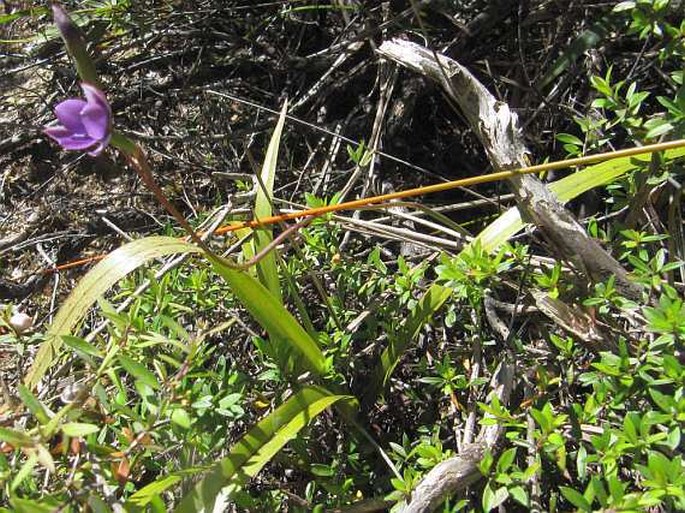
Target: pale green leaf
{"points": [[181, 418], [257, 448], [81, 346], [15, 438], [138, 371], [272, 315], [34, 405], [576, 498], [106, 273], [492, 499], [79, 429], [267, 267]]}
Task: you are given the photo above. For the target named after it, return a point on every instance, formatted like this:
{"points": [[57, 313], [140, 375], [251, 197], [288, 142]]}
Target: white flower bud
{"points": [[21, 322]]}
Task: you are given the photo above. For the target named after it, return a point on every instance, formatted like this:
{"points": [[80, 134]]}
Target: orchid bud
{"points": [[75, 43]]}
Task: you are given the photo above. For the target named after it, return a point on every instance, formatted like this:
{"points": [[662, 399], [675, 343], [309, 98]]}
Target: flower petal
{"points": [[97, 114], [57, 132], [69, 114], [76, 142]]}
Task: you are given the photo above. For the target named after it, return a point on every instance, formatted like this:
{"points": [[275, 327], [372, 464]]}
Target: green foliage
{"points": [[218, 384]]}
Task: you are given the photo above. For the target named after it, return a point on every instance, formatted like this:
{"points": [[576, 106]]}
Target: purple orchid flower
{"points": [[83, 124]]}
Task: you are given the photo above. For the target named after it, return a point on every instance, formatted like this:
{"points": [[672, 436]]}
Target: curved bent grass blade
{"points": [[267, 268], [272, 315], [429, 303], [94, 284], [257, 448], [566, 189]]}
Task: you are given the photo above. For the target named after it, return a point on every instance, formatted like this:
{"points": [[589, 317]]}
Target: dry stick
{"points": [[458, 472], [497, 128], [511, 174]]}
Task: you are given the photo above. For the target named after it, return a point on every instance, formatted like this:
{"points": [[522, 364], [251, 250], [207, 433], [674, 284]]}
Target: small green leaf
{"points": [[34, 405], [322, 470], [506, 459], [581, 462], [575, 498], [624, 6], [79, 429], [81, 346], [138, 371], [569, 139], [181, 418], [658, 129], [15, 438], [520, 495], [493, 499]]}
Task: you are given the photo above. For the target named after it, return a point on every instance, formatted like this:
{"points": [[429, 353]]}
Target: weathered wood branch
{"points": [[458, 472], [497, 128]]}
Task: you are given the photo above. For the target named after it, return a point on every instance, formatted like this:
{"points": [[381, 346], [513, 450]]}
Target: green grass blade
{"points": [[587, 40], [258, 447], [272, 315], [566, 189], [147, 494], [429, 303], [94, 284], [267, 268]]}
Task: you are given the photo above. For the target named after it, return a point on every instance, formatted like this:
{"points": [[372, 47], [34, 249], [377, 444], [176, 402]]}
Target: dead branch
{"points": [[497, 128], [458, 472]]}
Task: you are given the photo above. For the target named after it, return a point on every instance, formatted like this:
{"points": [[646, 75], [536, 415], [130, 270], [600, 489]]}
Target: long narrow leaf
{"points": [[94, 284], [566, 189], [267, 268], [429, 303], [147, 494], [272, 315], [257, 448], [587, 40]]}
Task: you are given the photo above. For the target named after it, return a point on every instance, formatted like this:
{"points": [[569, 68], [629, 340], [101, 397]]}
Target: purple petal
{"points": [[69, 114], [57, 132], [96, 116], [76, 142]]}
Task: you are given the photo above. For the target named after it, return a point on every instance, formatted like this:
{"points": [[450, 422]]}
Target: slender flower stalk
{"points": [[136, 158]]}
